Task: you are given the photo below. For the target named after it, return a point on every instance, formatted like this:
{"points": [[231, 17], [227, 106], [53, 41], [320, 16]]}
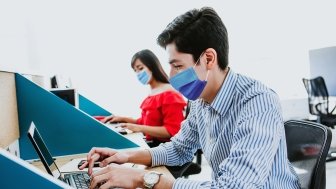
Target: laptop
{"points": [[78, 179]]}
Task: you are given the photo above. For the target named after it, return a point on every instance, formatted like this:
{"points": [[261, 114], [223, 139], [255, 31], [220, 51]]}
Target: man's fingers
{"points": [[93, 159], [107, 161], [107, 185], [83, 165], [101, 151], [97, 179]]}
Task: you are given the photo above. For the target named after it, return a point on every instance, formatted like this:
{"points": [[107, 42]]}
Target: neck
{"points": [[154, 84], [158, 87], [218, 78]]}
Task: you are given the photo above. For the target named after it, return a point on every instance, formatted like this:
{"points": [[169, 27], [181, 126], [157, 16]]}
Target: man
{"points": [[235, 120]]}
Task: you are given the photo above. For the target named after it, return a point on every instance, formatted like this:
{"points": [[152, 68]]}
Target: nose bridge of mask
{"points": [[184, 77]]}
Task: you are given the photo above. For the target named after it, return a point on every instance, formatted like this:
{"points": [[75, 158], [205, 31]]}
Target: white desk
{"points": [[69, 163]]}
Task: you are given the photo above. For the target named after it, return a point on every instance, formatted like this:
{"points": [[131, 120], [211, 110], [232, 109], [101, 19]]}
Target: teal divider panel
{"points": [[15, 173], [91, 108], [65, 129]]}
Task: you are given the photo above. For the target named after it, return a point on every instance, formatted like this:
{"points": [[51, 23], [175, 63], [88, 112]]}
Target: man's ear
{"points": [[211, 58]]}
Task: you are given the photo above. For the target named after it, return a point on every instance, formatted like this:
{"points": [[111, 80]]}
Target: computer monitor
{"points": [[54, 83], [60, 81], [323, 63], [68, 95]]}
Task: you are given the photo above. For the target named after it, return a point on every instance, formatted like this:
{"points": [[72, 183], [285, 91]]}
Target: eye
{"points": [[138, 69], [177, 67]]}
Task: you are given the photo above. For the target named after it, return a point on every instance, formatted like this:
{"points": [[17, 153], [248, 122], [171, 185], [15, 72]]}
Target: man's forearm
{"points": [[144, 157], [165, 182], [140, 157]]}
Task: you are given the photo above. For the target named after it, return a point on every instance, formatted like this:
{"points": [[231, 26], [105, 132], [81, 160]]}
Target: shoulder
{"points": [[172, 97], [254, 94], [249, 88], [164, 98]]}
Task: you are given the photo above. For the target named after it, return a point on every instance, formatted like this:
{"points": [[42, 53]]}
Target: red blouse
{"points": [[164, 109]]}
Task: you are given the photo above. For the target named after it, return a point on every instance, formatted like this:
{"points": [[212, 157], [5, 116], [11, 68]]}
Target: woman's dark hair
{"points": [[195, 31], [149, 59]]}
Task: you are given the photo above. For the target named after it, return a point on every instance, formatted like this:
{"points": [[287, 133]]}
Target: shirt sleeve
{"points": [[182, 147]]}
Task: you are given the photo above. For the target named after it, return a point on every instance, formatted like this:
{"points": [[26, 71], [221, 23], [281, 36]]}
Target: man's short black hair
{"points": [[195, 31]]}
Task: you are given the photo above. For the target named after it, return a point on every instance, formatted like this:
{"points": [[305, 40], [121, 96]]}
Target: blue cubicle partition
{"points": [[16, 173], [65, 129], [91, 108]]}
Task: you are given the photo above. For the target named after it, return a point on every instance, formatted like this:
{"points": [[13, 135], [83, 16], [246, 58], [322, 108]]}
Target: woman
{"points": [[162, 110]]}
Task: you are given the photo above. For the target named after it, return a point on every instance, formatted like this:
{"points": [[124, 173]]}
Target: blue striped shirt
{"points": [[242, 137]]}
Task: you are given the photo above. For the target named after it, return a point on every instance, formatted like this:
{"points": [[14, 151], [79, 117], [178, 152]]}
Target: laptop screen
{"points": [[43, 151]]}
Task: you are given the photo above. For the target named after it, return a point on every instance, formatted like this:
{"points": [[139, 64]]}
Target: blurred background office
{"points": [[92, 42]]}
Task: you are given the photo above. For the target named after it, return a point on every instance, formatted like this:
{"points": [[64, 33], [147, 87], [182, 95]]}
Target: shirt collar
{"points": [[223, 99]]}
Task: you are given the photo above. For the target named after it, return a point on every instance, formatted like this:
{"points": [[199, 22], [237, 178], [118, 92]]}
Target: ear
{"points": [[211, 58]]}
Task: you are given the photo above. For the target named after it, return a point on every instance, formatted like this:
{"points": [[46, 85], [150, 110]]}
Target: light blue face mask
{"points": [[143, 77], [188, 83]]}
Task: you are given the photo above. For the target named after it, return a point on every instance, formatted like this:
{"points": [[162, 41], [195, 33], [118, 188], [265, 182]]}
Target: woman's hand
{"points": [[131, 126], [105, 156], [117, 176], [112, 119]]}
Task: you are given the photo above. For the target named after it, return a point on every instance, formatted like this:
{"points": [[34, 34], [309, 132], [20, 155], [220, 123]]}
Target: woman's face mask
{"points": [[188, 83], [143, 77]]}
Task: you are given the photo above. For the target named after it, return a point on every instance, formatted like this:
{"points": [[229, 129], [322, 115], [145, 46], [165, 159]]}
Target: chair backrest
{"points": [[317, 94], [307, 147]]}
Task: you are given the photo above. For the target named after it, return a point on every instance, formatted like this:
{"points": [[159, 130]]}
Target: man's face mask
{"points": [[143, 77], [188, 83]]}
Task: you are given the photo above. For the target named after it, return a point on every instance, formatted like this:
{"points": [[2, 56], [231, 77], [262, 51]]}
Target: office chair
{"points": [[307, 147], [318, 100], [189, 168]]}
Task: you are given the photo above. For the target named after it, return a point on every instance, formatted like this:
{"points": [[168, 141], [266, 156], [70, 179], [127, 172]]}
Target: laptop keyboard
{"points": [[81, 179]]}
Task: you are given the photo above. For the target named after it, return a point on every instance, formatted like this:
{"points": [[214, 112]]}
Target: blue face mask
{"points": [[143, 77], [188, 83]]}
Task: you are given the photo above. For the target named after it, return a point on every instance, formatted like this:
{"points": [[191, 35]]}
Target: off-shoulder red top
{"points": [[164, 109]]}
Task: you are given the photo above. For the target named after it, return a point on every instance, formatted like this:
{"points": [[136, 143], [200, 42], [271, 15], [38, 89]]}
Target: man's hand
{"points": [[117, 176], [105, 156]]}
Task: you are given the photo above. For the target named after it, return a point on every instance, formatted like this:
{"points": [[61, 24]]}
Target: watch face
{"points": [[151, 178]]}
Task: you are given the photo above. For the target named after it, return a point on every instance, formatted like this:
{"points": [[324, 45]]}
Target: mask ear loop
{"points": [[199, 58], [206, 78]]}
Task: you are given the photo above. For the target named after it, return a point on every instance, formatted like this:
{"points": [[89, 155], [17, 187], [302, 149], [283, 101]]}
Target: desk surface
{"points": [[69, 163]]}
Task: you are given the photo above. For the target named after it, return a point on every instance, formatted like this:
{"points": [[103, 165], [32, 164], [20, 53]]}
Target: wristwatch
{"points": [[151, 178]]}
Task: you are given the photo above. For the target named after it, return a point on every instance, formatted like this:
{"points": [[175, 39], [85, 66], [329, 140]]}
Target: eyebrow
{"points": [[173, 61]]}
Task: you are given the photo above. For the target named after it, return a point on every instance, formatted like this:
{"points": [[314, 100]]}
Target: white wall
{"points": [[93, 41]]}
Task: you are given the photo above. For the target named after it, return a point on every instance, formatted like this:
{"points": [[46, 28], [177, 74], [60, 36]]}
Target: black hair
{"points": [[149, 59], [195, 31]]}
